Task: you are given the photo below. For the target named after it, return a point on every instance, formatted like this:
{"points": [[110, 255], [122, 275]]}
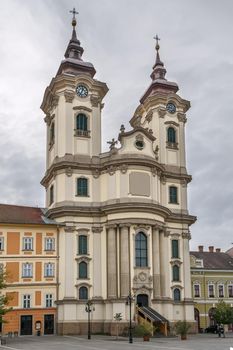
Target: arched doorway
{"points": [[142, 300], [197, 318]]}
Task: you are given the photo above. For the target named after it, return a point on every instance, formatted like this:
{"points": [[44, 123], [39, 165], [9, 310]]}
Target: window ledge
{"points": [[176, 203], [27, 250], [172, 145], [83, 196], [49, 250], [82, 133]]}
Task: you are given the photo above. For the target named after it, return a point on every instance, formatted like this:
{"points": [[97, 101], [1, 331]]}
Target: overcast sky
{"points": [[117, 35]]}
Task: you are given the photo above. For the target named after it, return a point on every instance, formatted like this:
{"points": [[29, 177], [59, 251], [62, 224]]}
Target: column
{"points": [[124, 261], [186, 266], [97, 264], [164, 264], [111, 262], [69, 262], [156, 262]]}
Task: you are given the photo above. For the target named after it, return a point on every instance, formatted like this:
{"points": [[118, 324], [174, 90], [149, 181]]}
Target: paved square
{"points": [[198, 342]]}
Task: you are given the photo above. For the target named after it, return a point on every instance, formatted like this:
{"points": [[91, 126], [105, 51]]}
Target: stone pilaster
{"points": [[124, 261], [112, 262], [164, 265], [97, 264], [156, 262], [69, 262]]}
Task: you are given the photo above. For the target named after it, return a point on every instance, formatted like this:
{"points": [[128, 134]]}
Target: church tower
{"points": [[122, 215]]}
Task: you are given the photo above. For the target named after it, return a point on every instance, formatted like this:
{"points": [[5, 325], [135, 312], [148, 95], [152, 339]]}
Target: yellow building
{"points": [[28, 252], [212, 280]]}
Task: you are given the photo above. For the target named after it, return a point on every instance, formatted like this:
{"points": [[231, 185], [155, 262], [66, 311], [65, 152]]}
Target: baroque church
{"points": [[119, 219]]}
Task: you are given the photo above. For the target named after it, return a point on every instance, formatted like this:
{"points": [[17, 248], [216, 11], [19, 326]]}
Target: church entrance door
{"points": [[142, 300]]}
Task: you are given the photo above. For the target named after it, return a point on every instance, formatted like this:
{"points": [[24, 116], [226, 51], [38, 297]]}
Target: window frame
{"points": [[52, 134], [82, 250], [79, 292], [198, 294], [173, 198], [28, 243], [175, 273], [140, 260], [48, 300], [27, 301], [81, 274], [27, 270], [174, 296], [175, 256], [52, 243], [221, 285], [171, 135], [210, 294], [49, 270], [80, 192], [82, 129], [51, 194], [230, 286], [1, 243]]}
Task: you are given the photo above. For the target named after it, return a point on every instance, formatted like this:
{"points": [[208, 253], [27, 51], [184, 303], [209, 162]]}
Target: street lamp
{"points": [[89, 308], [130, 298]]}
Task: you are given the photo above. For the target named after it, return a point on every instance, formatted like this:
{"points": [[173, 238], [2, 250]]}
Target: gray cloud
{"points": [[117, 38]]}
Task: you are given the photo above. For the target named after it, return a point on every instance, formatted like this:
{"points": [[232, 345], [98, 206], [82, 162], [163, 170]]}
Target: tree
{"points": [[4, 299], [223, 313]]}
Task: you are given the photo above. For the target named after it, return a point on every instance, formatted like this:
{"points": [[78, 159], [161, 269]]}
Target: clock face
{"points": [[171, 108], [82, 90]]}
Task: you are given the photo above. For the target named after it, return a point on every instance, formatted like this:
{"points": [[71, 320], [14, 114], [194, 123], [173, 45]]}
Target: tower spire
{"points": [[159, 71], [74, 49]]}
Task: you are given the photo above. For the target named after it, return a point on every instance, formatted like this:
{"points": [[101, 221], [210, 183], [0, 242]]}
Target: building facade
{"points": [[124, 216], [28, 253], [212, 280]]}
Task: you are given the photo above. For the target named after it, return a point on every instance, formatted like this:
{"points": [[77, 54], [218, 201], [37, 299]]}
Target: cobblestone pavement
{"points": [[197, 342]]}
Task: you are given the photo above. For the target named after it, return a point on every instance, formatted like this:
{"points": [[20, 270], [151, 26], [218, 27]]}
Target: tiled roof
{"points": [[214, 260], [17, 214]]}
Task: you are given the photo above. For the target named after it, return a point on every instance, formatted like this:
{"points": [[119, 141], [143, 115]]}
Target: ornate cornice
{"points": [[97, 229], [182, 117], [82, 108], [95, 100], [186, 235]]}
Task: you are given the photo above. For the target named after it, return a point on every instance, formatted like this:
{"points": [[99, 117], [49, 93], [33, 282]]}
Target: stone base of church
{"points": [[101, 327]]}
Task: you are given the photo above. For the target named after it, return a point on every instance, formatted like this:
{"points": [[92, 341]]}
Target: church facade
{"points": [[122, 214]]}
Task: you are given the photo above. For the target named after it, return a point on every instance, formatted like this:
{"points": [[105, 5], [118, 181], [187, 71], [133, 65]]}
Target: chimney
{"points": [[218, 250], [211, 249], [200, 248]]}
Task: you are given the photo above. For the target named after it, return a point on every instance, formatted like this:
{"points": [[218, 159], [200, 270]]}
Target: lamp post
{"points": [[130, 298], [89, 308]]}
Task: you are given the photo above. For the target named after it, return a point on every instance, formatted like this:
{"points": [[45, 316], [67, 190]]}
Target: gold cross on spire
{"points": [[157, 41], [74, 12]]}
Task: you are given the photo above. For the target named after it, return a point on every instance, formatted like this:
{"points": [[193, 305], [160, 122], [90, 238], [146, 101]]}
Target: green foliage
{"points": [[223, 313], [182, 327], [142, 330], [118, 316], [4, 300]]}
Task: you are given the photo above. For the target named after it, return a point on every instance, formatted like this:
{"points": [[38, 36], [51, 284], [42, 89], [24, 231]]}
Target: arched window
{"points": [[82, 244], [51, 195], [173, 195], [83, 293], [176, 294], [176, 273], [81, 122], [82, 270], [171, 135], [82, 186], [141, 249]]}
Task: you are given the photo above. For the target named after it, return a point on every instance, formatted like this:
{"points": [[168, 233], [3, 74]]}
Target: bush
{"points": [[182, 327], [142, 330]]}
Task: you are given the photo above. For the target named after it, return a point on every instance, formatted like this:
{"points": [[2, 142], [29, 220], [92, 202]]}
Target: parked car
{"points": [[212, 329]]}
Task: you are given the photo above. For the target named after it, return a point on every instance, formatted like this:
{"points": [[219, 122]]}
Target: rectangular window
{"points": [[173, 195], [211, 290], [221, 291], [51, 195], [49, 270], [1, 243], [26, 301], [82, 244], [48, 300], [82, 187], [196, 290], [27, 243], [175, 248], [49, 244], [27, 270], [230, 291]]}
